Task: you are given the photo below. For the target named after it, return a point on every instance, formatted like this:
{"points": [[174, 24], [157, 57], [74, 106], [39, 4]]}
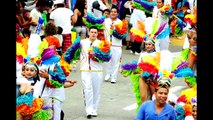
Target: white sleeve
{"points": [[38, 87], [102, 5], [127, 4]]}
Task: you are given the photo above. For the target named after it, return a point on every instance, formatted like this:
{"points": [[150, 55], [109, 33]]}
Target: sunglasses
{"points": [[163, 85], [193, 38]]}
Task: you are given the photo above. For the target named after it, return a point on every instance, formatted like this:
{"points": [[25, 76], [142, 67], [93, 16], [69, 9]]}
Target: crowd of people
{"points": [[47, 51]]}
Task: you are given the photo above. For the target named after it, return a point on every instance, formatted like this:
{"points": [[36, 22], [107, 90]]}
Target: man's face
{"points": [[161, 95], [93, 33], [159, 3], [113, 13], [106, 13]]}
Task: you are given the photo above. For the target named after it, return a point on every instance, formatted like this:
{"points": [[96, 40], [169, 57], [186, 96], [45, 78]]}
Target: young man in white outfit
{"points": [[161, 44], [91, 74], [112, 67]]}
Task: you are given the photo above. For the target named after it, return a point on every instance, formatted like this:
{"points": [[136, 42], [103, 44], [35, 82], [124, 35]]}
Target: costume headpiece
{"points": [[165, 69], [155, 30], [144, 5], [90, 20]]}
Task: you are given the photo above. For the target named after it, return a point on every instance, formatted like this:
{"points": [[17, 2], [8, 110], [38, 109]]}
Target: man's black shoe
{"points": [[89, 116]]}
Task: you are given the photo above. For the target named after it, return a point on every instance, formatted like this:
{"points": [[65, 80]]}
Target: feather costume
{"points": [[100, 53], [57, 76], [138, 33], [32, 108], [144, 5], [121, 30], [90, 20], [131, 70]]}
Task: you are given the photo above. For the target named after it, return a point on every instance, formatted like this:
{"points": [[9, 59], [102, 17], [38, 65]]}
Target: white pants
{"points": [[162, 44], [92, 82], [112, 67]]}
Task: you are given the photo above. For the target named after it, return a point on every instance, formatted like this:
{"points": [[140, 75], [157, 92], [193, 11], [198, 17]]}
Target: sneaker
{"points": [[94, 114], [113, 81], [136, 53], [107, 77]]}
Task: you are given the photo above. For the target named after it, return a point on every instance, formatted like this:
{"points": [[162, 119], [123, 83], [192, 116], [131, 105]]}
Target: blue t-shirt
{"points": [[147, 111]]}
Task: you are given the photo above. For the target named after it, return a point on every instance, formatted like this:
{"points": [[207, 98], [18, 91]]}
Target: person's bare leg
{"points": [[143, 90]]}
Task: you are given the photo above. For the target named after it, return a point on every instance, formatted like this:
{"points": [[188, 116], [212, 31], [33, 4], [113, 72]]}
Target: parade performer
{"points": [[29, 105], [93, 53], [115, 31]]}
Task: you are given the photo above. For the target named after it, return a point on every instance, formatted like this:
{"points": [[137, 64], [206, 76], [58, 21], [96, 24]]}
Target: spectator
{"points": [[41, 5], [79, 12], [61, 16]]}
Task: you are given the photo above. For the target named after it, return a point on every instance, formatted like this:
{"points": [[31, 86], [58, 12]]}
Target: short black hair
{"points": [[106, 10], [93, 27], [114, 7]]}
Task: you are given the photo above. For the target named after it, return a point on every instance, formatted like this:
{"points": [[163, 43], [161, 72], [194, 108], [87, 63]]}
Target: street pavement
{"points": [[117, 100]]}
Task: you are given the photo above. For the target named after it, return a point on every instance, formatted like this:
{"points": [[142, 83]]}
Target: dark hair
{"points": [[49, 3], [114, 7], [106, 10], [50, 29], [93, 27], [59, 5], [80, 5], [42, 3]]}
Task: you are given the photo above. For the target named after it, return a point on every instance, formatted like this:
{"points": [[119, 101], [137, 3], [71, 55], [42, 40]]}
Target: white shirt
{"points": [[84, 58], [62, 18], [35, 14]]}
